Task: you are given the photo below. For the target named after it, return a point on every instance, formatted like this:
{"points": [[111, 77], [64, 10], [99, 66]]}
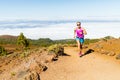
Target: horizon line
{"points": [[64, 20]]}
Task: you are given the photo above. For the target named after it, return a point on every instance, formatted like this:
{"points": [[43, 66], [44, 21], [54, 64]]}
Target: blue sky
{"points": [[59, 9]]}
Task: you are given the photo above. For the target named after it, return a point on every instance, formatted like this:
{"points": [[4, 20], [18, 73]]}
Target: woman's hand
{"points": [[74, 36]]}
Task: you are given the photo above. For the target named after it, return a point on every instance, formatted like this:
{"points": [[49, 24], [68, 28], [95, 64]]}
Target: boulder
{"points": [[37, 67], [32, 76]]}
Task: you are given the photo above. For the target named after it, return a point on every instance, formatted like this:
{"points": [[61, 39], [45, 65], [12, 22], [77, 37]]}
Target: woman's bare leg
{"points": [[78, 44], [81, 47]]}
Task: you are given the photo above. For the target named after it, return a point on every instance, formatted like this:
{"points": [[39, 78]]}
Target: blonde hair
{"points": [[78, 23]]}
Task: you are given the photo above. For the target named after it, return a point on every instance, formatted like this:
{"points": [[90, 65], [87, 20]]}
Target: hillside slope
{"points": [[99, 63]]}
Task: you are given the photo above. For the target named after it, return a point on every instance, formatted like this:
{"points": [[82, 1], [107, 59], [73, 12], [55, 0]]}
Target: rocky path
{"points": [[92, 66]]}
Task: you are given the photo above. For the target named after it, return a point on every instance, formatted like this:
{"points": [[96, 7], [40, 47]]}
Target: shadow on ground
{"points": [[88, 52], [64, 54]]}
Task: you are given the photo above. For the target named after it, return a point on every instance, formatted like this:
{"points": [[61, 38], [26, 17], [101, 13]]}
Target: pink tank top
{"points": [[79, 33]]}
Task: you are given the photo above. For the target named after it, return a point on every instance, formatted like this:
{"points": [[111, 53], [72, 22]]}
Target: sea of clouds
{"points": [[58, 29]]}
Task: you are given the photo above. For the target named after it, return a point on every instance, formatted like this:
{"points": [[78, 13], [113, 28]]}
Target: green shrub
{"points": [[57, 49], [23, 41], [2, 51]]}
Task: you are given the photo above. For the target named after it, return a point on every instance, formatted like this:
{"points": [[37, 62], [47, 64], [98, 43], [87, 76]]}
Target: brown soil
{"points": [[93, 66]]}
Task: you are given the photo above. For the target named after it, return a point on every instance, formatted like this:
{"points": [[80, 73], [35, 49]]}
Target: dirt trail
{"points": [[92, 66]]}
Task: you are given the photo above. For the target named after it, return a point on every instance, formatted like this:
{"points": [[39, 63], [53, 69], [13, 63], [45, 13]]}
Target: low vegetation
{"points": [[88, 41], [42, 42], [3, 52], [58, 49], [24, 43]]}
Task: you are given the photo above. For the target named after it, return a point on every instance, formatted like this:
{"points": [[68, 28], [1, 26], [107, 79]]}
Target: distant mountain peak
{"points": [[7, 36]]}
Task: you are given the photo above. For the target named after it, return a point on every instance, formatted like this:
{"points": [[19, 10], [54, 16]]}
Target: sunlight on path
{"points": [[88, 67]]}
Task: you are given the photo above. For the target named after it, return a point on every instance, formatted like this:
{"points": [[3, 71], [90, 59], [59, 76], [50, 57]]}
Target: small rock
{"points": [[111, 53], [104, 52], [118, 56], [50, 58]]}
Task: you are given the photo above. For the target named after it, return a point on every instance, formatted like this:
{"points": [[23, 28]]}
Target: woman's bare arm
{"points": [[74, 32], [84, 31]]}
